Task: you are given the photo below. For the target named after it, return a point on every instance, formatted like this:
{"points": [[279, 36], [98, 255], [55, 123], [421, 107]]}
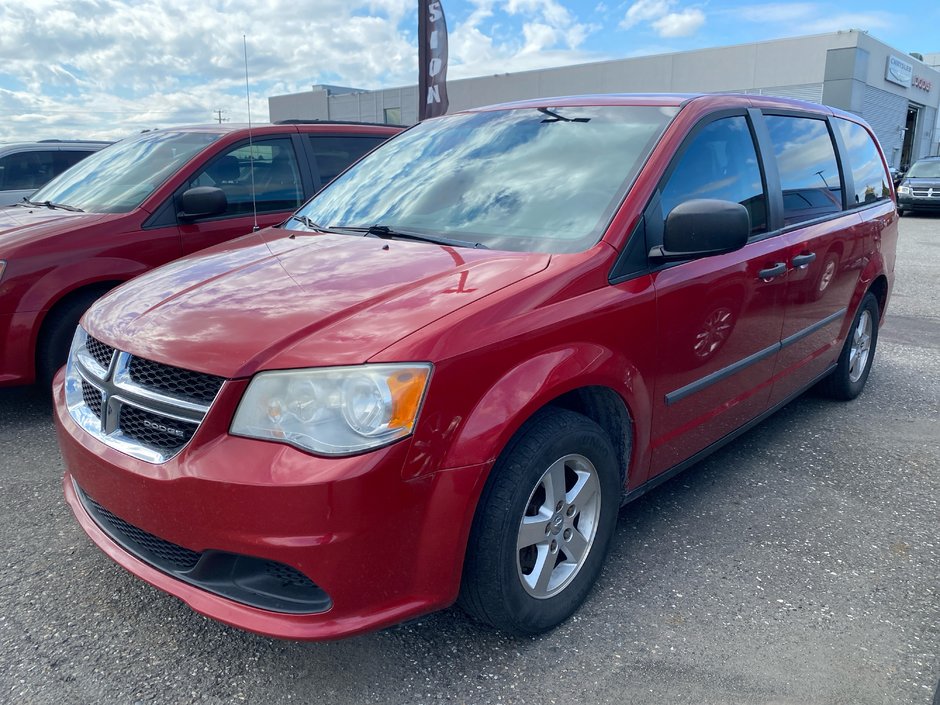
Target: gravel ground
{"points": [[799, 565]]}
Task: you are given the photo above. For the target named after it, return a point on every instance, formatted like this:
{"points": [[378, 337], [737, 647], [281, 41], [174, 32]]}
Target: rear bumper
{"points": [[382, 549]]}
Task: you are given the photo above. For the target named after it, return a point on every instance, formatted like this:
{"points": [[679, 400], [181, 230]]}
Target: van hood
{"points": [[270, 301], [20, 224]]}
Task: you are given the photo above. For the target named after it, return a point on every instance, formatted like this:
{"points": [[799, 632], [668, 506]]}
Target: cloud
{"points": [[644, 11], [813, 18], [660, 15], [108, 68], [680, 24], [548, 35]]}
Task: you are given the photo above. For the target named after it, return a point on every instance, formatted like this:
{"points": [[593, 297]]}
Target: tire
{"points": [[57, 332], [518, 574], [848, 379]]}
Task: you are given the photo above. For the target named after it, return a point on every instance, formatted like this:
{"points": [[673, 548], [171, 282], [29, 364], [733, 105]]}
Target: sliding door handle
{"points": [[771, 272]]}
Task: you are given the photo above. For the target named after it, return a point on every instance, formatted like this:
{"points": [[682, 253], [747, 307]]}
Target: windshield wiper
{"points": [[50, 204], [312, 225], [388, 233]]}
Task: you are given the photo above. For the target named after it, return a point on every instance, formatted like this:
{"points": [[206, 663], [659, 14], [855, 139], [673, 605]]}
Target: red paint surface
{"points": [[384, 532]]}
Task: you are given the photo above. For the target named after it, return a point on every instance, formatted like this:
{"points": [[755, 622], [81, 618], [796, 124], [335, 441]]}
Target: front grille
{"points": [[926, 192], [99, 351], [261, 583], [92, 397], [154, 430], [174, 381], [146, 409]]}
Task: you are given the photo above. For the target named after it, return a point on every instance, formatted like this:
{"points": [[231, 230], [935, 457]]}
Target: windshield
{"points": [[118, 178], [925, 170], [525, 179]]}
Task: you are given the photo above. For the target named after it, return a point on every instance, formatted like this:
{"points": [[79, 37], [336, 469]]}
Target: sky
{"points": [[105, 69]]}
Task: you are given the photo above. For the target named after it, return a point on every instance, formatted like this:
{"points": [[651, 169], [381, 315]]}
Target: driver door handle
{"points": [[802, 260]]}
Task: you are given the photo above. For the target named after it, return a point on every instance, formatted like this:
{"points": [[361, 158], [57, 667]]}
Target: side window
{"points": [[334, 154], [277, 185], [25, 170], [862, 158], [806, 160], [721, 163], [66, 159]]}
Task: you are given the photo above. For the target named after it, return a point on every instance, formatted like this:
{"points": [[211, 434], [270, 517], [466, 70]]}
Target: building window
{"points": [[393, 116]]}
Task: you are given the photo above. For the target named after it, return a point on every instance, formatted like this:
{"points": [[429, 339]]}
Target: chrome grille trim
{"points": [[161, 421]]}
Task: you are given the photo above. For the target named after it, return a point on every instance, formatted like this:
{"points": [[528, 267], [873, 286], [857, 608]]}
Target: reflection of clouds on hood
{"points": [[254, 299], [517, 179]]}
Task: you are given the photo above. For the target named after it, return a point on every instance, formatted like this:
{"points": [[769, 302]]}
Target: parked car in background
{"points": [[143, 202], [919, 189], [25, 166], [441, 377]]}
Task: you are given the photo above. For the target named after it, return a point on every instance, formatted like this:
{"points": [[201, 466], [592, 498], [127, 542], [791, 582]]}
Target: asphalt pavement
{"points": [[799, 565]]}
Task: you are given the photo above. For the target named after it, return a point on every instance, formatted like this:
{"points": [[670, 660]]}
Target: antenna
{"points": [[251, 147]]}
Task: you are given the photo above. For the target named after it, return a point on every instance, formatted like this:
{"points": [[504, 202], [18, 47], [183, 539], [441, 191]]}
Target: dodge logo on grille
{"points": [[163, 429]]}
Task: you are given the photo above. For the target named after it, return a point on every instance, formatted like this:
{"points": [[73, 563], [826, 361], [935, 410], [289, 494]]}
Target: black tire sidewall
{"points": [[844, 387], [516, 475]]}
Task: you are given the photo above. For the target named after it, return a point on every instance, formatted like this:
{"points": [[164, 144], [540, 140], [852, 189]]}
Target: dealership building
{"points": [[897, 93]]}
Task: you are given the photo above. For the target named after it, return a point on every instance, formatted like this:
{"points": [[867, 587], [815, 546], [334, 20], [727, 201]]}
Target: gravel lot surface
{"points": [[799, 565]]}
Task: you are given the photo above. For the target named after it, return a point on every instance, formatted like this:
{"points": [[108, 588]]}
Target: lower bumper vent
{"points": [[256, 582]]}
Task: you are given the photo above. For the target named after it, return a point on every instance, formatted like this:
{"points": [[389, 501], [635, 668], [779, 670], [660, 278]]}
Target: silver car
{"points": [[25, 166]]}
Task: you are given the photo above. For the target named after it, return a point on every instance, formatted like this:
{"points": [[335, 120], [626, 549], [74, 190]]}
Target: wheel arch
{"points": [[65, 300], [588, 379], [879, 287]]}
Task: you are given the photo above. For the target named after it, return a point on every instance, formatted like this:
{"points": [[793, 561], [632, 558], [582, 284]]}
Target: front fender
{"points": [[533, 383], [55, 284]]}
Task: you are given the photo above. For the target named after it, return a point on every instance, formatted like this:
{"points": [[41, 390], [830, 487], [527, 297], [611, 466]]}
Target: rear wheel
{"points": [[848, 379], [543, 525]]}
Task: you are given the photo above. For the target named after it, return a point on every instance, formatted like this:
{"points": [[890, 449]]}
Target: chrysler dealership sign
{"points": [[899, 71]]}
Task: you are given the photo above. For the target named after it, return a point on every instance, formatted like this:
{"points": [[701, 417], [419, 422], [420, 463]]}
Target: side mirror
{"points": [[201, 202], [703, 227]]}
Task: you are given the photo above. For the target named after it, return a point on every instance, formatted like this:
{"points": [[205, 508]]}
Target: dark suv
{"points": [[441, 378], [140, 203], [919, 190]]}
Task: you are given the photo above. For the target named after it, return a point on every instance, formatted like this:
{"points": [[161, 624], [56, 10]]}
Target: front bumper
{"points": [[910, 202], [16, 352], [381, 549]]}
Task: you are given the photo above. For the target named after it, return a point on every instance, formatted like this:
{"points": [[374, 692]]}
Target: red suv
{"points": [[443, 376], [143, 202]]}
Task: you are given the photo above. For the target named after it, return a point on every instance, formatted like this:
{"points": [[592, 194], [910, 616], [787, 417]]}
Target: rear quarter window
{"points": [[864, 161]]}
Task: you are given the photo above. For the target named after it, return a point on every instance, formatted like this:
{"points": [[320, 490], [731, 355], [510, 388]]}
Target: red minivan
{"points": [[141, 203], [441, 378]]}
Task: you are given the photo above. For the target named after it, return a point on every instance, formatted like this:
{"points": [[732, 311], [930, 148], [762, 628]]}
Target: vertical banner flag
{"points": [[432, 55]]}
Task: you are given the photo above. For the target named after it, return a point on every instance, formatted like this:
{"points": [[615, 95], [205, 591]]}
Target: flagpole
{"points": [[422, 60]]}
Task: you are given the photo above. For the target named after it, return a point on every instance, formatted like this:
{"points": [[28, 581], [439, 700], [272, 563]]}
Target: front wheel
{"points": [[543, 525], [851, 372]]}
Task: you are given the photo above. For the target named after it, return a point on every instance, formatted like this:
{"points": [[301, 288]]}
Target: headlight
{"points": [[906, 190], [333, 410]]}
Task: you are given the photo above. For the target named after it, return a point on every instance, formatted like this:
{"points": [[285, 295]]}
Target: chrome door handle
{"points": [[771, 272], [802, 260]]}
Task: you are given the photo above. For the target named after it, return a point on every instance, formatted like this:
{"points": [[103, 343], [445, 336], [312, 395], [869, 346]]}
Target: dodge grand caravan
{"points": [[143, 202], [440, 378]]}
